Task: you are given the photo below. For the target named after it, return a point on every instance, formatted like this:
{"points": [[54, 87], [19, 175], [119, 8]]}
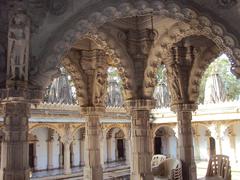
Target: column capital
{"points": [[184, 107], [140, 104], [92, 110]]}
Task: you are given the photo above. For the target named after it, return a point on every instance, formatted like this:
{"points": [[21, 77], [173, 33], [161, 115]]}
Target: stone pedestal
{"points": [[67, 163], [14, 157], [185, 139], [140, 135], [93, 168]]}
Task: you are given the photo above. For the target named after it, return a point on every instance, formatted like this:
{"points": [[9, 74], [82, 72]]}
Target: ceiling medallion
{"points": [[226, 3]]}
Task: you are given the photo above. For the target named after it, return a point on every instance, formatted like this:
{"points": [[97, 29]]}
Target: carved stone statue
{"points": [[100, 85], [60, 90], [114, 95], [174, 82], [214, 89], [18, 47], [161, 95]]}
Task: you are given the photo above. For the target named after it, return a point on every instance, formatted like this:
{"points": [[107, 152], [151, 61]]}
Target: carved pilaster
{"points": [[141, 138], [15, 141], [50, 149], [185, 139], [67, 140], [93, 168]]}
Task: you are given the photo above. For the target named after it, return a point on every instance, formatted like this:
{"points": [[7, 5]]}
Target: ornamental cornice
{"points": [[56, 106]]}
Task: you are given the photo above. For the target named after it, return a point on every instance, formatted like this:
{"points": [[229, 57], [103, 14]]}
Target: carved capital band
{"points": [[184, 107], [140, 104], [92, 110]]}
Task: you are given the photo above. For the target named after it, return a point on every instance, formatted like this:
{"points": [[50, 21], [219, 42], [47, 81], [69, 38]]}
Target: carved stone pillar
{"points": [[109, 149], [67, 163], [185, 139], [82, 143], [141, 142], [14, 160], [50, 149], [93, 168], [196, 144], [127, 150], [60, 154], [103, 148], [72, 154]]}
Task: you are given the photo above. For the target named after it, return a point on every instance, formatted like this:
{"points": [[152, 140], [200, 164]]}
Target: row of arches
{"points": [[46, 150], [206, 142]]}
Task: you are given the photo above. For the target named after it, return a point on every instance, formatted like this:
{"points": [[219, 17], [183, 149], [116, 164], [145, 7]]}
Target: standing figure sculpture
{"points": [[18, 47], [100, 85], [174, 83]]}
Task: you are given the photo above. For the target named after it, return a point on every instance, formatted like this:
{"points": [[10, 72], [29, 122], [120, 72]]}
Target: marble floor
{"points": [[111, 170]]}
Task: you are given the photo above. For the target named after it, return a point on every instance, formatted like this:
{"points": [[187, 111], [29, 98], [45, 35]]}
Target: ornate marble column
{"points": [[50, 149], [72, 153], [185, 139], [109, 149], [60, 154], [196, 143], [127, 149], [93, 168], [67, 154], [140, 135], [82, 143], [180, 67]]}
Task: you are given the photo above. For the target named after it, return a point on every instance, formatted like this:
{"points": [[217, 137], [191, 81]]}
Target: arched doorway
{"points": [[165, 142], [115, 145], [32, 139]]}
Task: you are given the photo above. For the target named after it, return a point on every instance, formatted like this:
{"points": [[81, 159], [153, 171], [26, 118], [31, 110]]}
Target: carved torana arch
{"points": [[198, 24]]}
